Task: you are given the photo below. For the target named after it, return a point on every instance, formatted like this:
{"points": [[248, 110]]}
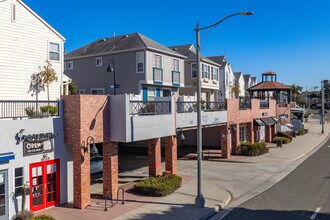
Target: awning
{"points": [[258, 122], [7, 156], [268, 121], [276, 119]]}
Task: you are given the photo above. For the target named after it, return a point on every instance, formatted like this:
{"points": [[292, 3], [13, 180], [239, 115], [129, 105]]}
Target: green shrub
{"points": [[256, 149], [301, 132], [52, 109], [284, 140], [23, 215], [158, 186], [43, 217], [30, 111], [306, 131], [284, 134]]}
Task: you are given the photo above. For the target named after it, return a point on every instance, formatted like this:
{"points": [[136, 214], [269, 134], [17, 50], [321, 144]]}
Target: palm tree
{"points": [[296, 90]]}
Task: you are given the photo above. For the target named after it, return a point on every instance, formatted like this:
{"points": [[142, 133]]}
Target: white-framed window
{"points": [[176, 78], [98, 61], [193, 71], [206, 71], [215, 73], [157, 61], [13, 12], [151, 94], [54, 51], [81, 91], [242, 132], [18, 180], [176, 65], [70, 65], [139, 62], [97, 91]]}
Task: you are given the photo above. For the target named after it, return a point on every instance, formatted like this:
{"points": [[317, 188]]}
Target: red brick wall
{"points": [[171, 155], [225, 142], [154, 157]]}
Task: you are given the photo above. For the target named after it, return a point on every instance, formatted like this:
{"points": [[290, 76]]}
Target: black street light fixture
{"points": [[93, 150], [200, 201], [112, 68]]}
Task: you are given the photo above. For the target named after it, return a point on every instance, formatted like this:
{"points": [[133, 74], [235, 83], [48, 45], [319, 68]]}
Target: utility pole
{"points": [[322, 107]]}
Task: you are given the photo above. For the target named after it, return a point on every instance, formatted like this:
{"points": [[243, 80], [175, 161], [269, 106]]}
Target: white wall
{"points": [[24, 47]]}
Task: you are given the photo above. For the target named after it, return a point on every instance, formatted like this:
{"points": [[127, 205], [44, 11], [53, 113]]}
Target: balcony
{"points": [[213, 113], [28, 109], [135, 120]]}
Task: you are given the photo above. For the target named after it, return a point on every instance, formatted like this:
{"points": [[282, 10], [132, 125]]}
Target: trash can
{"points": [[279, 143]]}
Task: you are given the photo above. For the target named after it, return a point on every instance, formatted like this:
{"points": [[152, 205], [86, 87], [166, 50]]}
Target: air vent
{"points": [[102, 40], [125, 36]]}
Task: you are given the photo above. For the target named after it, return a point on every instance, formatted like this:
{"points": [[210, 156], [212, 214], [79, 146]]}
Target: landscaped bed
{"points": [[256, 149], [158, 186]]}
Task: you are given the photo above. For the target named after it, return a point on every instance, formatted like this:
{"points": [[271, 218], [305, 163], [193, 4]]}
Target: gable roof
{"points": [[238, 75], [189, 51], [219, 59], [127, 42], [246, 77], [40, 19]]}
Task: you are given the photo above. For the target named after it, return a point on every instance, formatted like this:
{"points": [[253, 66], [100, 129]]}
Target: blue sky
{"points": [[290, 37]]}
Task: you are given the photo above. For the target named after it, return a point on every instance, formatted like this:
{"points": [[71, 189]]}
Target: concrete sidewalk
{"points": [[225, 182]]}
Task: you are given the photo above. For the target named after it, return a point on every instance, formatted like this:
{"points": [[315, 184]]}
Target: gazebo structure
{"points": [[269, 88]]}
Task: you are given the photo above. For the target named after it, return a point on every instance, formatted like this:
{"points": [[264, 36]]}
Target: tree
{"points": [[48, 76], [235, 90], [326, 90], [36, 85], [296, 90], [73, 88]]}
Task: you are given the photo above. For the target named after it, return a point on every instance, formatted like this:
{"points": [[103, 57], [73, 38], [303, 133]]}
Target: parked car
{"points": [[96, 164]]}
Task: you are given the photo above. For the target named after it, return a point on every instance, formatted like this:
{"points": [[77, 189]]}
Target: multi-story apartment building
{"points": [[32, 153], [131, 63], [209, 74], [226, 78]]}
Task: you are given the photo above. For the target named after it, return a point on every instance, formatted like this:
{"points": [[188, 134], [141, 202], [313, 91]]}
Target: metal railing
{"points": [[28, 109], [264, 104], [185, 107], [282, 104], [150, 107], [244, 103]]}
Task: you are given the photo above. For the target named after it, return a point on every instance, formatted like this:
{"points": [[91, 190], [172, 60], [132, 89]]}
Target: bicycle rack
{"points": [[111, 200]]}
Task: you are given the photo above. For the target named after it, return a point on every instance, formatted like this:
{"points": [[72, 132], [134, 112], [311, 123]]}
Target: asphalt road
{"points": [[301, 195]]}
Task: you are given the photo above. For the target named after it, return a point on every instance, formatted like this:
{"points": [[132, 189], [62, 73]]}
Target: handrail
{"points": [[191, 106]]}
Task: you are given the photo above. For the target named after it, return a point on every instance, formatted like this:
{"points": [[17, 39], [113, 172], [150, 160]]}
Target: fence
{"points": [[150, 107], [28, 109], [185, 107]]}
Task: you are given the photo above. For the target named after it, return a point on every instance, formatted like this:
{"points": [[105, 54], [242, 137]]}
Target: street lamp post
{"points": [[322, 107], [200, 201], [112, 68], [307, 101]]}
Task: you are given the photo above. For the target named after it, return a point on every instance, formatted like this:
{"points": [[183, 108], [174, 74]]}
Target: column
{"points": [[268, 134], [81, 177], [110, 169], [225, 142], [235, 139], [154, 157], [171, 155], [250, 132]]}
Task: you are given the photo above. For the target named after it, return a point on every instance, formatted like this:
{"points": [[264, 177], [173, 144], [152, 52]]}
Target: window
{"points": [[176, 78], [99, 91], [215, 73], [140, 62], [13, 12], [151, 94], [193, 70], [176, 65], [157, 61], [19, 181], [81, 91], [54, 51], [242, 133], [64, 65], [70, 65], [206, 71], [98, 61]]}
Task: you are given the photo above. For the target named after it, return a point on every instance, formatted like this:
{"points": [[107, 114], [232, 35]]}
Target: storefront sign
{"points": [[36, 143]]}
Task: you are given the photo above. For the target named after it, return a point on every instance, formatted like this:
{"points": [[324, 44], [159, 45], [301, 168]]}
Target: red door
{"points": [[45, 184]]}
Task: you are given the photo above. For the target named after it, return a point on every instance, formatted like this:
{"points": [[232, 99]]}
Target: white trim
{"points": [[102, 89], [136, 61], [49, 51], [161, 61], [68, 66], [13, 178], [191, 72], [80, 90], [100, 63]]}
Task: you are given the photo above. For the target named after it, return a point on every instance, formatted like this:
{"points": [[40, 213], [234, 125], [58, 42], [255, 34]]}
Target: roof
{"points": [[246, 77], [219, 59], [189, 51], [40, 19], [269, 73], [127, 42], [269, 86], [237, 75]]}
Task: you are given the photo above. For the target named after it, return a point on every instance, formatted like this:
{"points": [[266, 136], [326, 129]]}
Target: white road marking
{"points": [[316, 212]]}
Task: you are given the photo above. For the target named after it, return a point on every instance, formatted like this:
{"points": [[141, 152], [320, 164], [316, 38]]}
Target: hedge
{"points": [[158, 186], [284, 134], [284, 140], [43, 217], [303, 131], [52, 109], [256, 149]]}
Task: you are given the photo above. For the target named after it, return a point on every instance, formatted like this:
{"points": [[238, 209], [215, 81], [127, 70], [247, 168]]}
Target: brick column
{"points": [[171, 155], [225, 142], [250, 132], [81, 177], [154, 157], [235, 139], [110, 169]]}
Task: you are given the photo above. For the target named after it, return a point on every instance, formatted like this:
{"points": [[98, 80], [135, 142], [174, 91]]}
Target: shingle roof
{"points": [[246, 77], [269, 86], [134, 41], [237, 75], [219, 59], [189, 51]]}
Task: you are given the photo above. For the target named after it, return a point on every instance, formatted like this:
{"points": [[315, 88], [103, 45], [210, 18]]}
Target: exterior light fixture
{"points": [[93, 150], [182, 137]]}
